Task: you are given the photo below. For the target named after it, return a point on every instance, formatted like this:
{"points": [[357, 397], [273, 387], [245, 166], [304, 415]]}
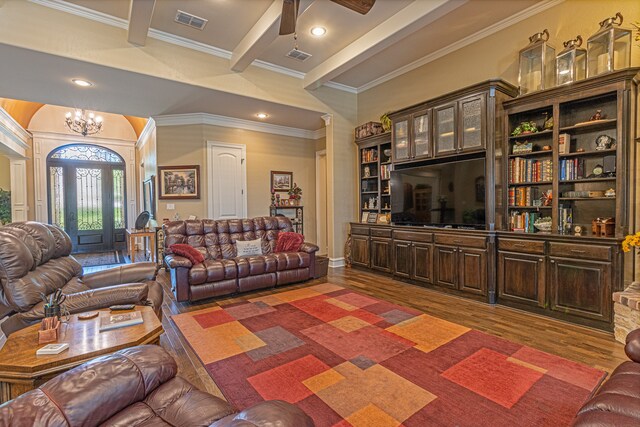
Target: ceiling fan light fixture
{"points": [[82, 83], [318, 31]]}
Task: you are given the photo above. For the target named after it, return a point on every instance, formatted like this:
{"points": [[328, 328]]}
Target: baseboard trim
{"points": [[336, 262]]}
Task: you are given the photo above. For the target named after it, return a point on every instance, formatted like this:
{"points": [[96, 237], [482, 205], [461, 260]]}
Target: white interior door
{"points": [[227, 179]]}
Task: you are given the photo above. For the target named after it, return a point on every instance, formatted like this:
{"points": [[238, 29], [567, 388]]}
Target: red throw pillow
{"points": [[289, 241], [187, 251]]}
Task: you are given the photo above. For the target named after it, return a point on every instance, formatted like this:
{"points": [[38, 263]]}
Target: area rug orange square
{"points": [[350, 360]]}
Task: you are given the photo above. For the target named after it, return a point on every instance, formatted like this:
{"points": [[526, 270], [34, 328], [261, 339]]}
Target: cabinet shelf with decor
{"points": [[294, 213], [374, 174]]}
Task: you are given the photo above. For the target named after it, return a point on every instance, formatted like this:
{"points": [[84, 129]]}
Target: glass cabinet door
{"points": [[420, 134], [401, 140], [445, 129], [472, 123]]}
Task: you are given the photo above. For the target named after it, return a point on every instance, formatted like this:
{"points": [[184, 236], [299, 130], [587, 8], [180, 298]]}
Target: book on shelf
{"points": [[523, 196], [523, 170], [385, 171], [565, 219], [369, 155], [523, 221], [571, 169], [564, 143], [120, 320]]}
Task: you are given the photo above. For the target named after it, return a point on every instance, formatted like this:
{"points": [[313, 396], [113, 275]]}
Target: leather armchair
{"points": [[617, 402], [134, 387], [35, 260]]}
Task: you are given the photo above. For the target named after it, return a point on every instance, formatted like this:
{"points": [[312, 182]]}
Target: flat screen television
{"points": [[445, 194]]}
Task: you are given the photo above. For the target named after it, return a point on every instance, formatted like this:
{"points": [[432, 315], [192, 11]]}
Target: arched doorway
{"points": [[86, 192]]}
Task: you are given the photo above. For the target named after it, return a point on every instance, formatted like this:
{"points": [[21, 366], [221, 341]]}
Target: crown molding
{"points": [[21, 135], [235, 123], [146, 132], [342, 87], [84, 12], [486, 32], [79, 139]]}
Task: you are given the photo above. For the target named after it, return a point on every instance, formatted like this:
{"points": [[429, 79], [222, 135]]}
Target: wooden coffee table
{"points": [[21, 370]]}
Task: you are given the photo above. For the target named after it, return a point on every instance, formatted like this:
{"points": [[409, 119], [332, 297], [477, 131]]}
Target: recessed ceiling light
{"points": [[262, 115], [318, 31], [82, 83]]}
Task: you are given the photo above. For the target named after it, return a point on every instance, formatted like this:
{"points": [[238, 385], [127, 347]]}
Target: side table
{"points": [[21, 370], [149, 234]]}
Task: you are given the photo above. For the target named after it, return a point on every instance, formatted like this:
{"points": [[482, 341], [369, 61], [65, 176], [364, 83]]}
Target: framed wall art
{"points": [[281, 181], [179, 182]]}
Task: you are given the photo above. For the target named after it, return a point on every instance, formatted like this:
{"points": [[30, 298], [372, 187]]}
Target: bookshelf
{"points": [[374, 158]]}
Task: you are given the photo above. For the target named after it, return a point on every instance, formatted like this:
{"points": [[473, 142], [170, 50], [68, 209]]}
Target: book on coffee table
{"points": [[120, 320], [52, 349]]}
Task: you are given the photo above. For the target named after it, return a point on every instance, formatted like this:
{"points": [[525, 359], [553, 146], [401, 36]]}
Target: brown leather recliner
{"points": [[617, 402], [35, 261], [134, 387], [223, 272]]}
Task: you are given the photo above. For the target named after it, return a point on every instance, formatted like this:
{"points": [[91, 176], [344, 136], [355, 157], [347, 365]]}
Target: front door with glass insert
{"points": [[87, 196]]}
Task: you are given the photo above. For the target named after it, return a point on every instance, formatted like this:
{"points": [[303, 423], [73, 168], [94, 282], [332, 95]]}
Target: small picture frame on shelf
{"points": [[372, 218], [365, 216], [382, 219]]}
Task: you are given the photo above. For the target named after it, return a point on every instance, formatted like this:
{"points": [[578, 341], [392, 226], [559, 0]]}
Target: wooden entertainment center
{"points": [[568, 272]]}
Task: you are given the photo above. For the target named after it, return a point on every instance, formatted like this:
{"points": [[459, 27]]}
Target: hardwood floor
{"points": [[581, 344]]}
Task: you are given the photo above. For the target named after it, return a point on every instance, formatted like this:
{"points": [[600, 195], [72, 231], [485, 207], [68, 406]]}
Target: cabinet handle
{"points": [[457, 241], [553, 262], [520, 245], [540, 259], [576, 251]]}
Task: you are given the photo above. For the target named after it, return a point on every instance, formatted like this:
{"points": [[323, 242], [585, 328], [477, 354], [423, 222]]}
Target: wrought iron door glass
{"points": [[89, 198]]}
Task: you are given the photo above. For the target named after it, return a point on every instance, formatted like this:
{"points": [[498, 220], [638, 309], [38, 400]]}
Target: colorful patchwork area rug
{"points": [[352, 360]]}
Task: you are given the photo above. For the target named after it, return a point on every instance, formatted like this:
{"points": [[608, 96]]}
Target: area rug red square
{"points": [[350, 360]]}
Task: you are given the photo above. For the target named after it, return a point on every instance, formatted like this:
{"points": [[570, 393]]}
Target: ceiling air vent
{"points": [[190, 20], [298, 54]]}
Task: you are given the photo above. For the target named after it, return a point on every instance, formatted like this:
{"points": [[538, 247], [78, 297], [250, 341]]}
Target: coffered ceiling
{"points": [[357, 53]]}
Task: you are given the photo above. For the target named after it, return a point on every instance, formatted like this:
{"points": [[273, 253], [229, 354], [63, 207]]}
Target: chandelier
{"points": [[82, 124]]}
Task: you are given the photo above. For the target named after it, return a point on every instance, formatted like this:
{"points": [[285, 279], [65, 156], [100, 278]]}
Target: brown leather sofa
{"points": [[136, 386], [35, 260], [617, 402], [223, 272]]}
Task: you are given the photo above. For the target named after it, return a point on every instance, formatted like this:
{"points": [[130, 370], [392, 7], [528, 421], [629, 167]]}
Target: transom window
{"points": [[87, 153]]}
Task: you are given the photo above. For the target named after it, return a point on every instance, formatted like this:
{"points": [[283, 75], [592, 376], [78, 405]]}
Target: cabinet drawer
{"points": [[453, 240], [569, 250], [526, 246], [413, 236], [359, 229], [381, 232]]}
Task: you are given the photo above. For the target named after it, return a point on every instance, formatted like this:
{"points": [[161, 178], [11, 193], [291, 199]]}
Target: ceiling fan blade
{"points": [[289, 16], [360, 6]]}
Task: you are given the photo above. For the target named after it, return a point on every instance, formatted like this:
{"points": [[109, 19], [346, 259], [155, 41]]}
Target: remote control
{"points": [[122, 307]]}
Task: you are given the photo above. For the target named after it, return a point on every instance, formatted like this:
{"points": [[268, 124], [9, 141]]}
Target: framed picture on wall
{"points": [[148, 196], [281, 181], [179, 182]]}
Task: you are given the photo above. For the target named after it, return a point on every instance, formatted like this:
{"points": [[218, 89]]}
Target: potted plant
{"points": [[5, 206], [295, 194], [525, 128]]}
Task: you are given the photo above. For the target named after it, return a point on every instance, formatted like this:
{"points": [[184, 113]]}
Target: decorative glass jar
{"points": [[571, 63], [610, 48], [537, 64]]}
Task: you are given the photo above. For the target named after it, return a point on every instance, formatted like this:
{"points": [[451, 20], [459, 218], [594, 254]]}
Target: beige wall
{"points": [[186, 145], [493, 56], [5, 175]]}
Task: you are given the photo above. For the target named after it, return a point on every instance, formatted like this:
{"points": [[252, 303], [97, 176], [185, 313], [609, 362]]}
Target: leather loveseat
{"points": [[617, 402], [136, 386], [35, 260], [223, 272]]}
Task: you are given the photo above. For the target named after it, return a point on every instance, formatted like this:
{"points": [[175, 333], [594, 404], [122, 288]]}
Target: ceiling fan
{"points": [[290, 12]]}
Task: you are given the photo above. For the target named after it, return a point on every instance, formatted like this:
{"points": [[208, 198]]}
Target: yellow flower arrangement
{"points": [[631, 240]]}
